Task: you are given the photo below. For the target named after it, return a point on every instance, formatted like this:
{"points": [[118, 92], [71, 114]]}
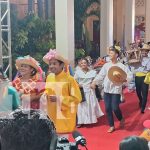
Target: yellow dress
{"points": [[63, 112]]}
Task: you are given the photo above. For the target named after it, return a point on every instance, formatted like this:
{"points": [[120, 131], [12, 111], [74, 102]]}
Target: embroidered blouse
{"points": [[33, 86]]}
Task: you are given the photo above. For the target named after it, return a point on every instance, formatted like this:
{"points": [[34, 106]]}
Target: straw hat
{"points": [[117, 75], [146, 47], [53, 54], [146, 133], [133, 61], [28, 60]]}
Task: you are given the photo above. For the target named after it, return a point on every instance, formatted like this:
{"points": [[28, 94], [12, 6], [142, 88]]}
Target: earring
{"points": [[33, 72]]}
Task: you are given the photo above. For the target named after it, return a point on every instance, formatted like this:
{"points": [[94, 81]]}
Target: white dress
{"points": [[89, 110]]}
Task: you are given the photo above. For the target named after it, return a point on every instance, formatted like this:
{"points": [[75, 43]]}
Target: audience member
{"points": [[133, 143], [27, 130]]}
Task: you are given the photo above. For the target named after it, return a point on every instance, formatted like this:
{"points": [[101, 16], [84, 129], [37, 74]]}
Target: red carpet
{"points": [[97, 136]]}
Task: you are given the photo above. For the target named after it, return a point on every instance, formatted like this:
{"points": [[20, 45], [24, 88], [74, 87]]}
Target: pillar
{"points": [[120, 21], [129, 21], [64, 20], [106, 26], [147, 28]]}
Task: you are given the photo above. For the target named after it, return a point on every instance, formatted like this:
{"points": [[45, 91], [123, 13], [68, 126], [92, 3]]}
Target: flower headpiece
{"points": [[118, 48], [52, 54]]}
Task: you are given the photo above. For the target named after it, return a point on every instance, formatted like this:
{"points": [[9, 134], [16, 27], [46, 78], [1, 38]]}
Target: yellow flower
{"points": [[118, 48]]}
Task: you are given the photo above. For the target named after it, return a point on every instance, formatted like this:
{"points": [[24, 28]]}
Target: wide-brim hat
{"points": [[133, 61], [146, 47], [52, 54], [116, 75], [146, 133], [28, 60]]}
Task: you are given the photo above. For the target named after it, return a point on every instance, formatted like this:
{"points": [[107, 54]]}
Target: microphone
{"points": [[79, 138]]}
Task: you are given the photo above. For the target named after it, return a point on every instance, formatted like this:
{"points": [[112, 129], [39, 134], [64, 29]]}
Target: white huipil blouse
{"points": [[89, 110]]}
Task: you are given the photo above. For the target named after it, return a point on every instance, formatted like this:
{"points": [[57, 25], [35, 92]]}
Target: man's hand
{"points": [[119, 77], [52, 98], [125, 80]]}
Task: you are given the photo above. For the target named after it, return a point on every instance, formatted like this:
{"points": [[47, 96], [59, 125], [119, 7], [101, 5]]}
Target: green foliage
{"points": [[35, 36], [22, 38], [79, 53], [81, 15], [32, 36]]}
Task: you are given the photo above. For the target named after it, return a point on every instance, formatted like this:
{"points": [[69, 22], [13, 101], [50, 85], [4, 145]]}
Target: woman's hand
{"points": [[80, 85], [93, 85], [25, 97], [21, 92]]}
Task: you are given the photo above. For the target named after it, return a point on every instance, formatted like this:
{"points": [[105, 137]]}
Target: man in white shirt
{"points": [[112, 92]]}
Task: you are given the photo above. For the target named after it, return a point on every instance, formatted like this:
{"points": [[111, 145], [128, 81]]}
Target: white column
{"points": [[115, 17], [129, 21], [1, 45], [64, 20], [120, 20], [106, 26], [147, 29]]}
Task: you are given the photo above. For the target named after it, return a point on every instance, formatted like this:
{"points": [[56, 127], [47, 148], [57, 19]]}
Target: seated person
{"points": [[9, 98], [28, 130]]}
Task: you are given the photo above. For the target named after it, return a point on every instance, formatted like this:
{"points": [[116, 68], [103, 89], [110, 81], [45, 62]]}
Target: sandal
{"points": [[111, 129], [79, 126]]}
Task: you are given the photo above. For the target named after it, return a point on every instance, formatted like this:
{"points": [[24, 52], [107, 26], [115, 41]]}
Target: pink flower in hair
{"points": [[51, 54]]}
